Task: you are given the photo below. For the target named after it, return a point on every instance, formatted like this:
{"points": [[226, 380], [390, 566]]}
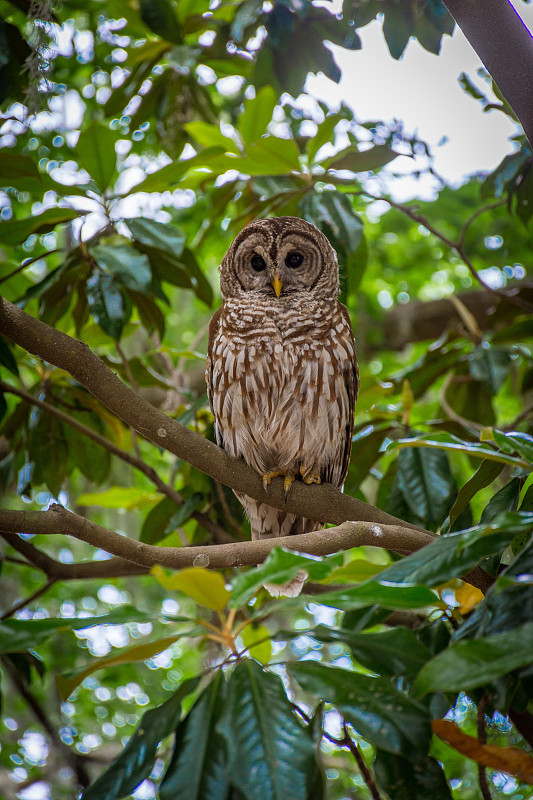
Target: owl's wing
{"points": [[209, 367], [351, 382]]}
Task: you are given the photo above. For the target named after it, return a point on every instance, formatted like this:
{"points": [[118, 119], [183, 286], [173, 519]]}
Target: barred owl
{"points": [[281, 369]]}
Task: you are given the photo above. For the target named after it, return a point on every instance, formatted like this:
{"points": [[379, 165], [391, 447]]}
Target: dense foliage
{"points": [[157, 131]]}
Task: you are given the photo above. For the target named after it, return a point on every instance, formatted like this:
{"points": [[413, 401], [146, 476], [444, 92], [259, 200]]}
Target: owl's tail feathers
{"points": [[290, 589]]}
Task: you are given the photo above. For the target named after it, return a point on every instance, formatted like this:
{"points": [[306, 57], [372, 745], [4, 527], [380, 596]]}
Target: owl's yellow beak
{"points": [[277, 284]]}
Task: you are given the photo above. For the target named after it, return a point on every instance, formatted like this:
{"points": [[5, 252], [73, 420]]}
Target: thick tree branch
{"points": [[218, 533], [323, 503], [505, 46], [57, 520]]}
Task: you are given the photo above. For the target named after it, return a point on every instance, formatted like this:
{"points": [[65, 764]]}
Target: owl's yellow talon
{"points": [[309, 475], [287, 483], [267, 477]]}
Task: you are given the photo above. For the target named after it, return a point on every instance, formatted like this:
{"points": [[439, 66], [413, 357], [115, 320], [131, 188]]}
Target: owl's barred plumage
{"points": [[281, 370]]}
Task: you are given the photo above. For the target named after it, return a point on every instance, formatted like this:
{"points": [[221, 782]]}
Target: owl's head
{"points": [[280, 257]]}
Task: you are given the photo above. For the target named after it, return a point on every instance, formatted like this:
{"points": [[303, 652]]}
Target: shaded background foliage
{"points": [[160, 130]]}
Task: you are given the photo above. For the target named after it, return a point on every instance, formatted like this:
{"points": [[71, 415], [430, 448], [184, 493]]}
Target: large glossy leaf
{"points": [[161, 235], [387, 596], [157, 519], [426, 483], [485, 474], [471, 663], [279, 567], [16, 231], [197, 769], [135, 762], [333, 214], [504, 500], [450, 556], [490, 365], [253, 121], [361, 160], [21, 634], [160, 17], [108, 304], [446, 441], [270, 754], [127, 265], [395, 652], [7, 359], [379, 712], [266, 156], [515, 441], [170, 175], [90, 458], [403, 780], [325, 133], [96, 152]]}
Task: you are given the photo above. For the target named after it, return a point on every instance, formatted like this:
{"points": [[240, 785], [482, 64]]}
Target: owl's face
{"points": [[280, 257]]}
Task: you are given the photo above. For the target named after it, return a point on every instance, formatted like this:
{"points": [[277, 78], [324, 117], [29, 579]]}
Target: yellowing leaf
{"points": [[260, 634], [468, 597], [67, 682], [507, 759], [119, 497], [205, 587]]}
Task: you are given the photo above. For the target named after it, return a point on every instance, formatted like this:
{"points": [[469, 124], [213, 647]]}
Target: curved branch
{"points": [[322, 503], [57, 520]]}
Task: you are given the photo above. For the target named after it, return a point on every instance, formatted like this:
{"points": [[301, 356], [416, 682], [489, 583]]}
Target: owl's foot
{"points": [[288, 479], [309, 475]]}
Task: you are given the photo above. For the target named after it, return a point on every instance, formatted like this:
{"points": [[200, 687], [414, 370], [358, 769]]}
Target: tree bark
{"points": [[505, 46]]}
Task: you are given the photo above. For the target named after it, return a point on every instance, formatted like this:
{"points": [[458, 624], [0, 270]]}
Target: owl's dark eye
{"points": [[258, 263], [294, 259]]}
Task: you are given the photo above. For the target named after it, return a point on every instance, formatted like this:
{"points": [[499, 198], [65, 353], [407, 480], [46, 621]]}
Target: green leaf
{"points": [[160, 17], [397, 29], [266, 156], [68, 681], [395, 652], [169, 176], [197, 768], [107, 303], [92, 460], [124, 497], [506, 499], [471, 663], [380, 713], [253, 121], [191, 504], [125, 264], [372, 592], [205, 587], [157, 519], [96, 153], [135, 762], [256, 638], [161, 235], [270, 755], [490, 365], [446, 441], [325, 133], [355, 160], [425, 480], [515, 441], [206, 134], [16, 231], [450, 556], [23, 634], [279, 567], [483, 476], [333, 214], [7, 359], [403, 780], [202, 287]]}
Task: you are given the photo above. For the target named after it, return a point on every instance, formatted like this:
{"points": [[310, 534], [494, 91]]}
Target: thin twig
{"points": [[27, 600], [365, 772], [28, 263], [219, 534], [482, 738], [466, 423], [477, 213]]}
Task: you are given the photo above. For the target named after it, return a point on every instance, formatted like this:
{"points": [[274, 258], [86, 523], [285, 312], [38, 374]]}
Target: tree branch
{"points": [[218, 533], [504, 44], [57, 520], [323, 503]]}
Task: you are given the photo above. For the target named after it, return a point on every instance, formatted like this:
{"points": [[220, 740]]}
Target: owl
{"points": [[281, 369]]}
